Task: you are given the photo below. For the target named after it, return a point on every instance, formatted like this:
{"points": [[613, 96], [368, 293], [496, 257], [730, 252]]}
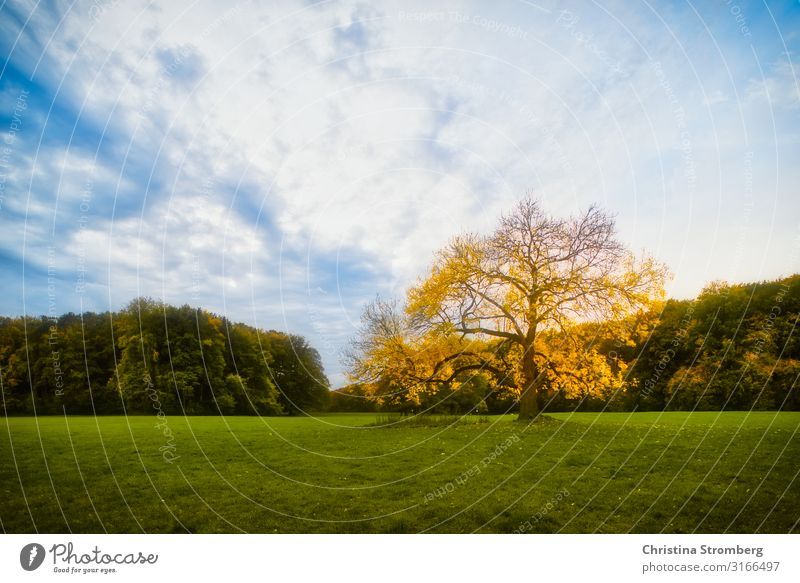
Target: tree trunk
{"points": [[528, 404], [528, 400]]}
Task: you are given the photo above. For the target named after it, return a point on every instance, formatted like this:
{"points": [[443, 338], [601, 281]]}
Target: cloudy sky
{"points": [[284, 162]]}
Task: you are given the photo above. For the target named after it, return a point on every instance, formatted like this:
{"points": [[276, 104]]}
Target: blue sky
{"points": [[284, 162]]}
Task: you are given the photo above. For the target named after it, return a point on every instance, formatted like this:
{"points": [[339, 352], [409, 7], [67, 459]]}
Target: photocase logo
{"points": [[31, 556]]}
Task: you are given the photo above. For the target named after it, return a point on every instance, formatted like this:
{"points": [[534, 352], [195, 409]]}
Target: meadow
{"points": [[671, 472]]}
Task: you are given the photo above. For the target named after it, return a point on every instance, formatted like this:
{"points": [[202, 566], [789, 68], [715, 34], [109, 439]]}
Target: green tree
{"points": [[296, 370]]}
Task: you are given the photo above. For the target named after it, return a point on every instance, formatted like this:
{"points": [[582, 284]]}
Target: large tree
{"points": [[488, 298]]}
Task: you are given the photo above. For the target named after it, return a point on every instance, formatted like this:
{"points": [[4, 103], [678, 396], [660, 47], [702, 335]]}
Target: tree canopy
{"points": [[155, 356], [533, 310]]}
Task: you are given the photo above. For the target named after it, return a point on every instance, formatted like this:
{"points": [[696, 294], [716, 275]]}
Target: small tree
{"points": [[488, 298]]}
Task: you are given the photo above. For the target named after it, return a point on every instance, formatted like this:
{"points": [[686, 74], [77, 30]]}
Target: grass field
{"points": [[587, 472]]}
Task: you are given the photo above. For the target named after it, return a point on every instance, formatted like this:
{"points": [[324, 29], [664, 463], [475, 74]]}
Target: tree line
{"points": [[179, 360], [549, 313], [735, 346]]}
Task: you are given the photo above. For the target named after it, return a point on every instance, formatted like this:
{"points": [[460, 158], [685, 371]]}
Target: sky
{"points": [[283, 163]]}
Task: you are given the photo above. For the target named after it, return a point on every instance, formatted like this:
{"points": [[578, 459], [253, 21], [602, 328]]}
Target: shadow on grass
{"points": [[396, 421], [541, 420]]}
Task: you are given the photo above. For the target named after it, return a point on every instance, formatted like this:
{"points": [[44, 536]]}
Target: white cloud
{"points": [[182, 247], [778, 88]]}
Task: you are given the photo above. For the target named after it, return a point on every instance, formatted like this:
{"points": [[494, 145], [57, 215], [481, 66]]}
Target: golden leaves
{"points": [[487, 300]]}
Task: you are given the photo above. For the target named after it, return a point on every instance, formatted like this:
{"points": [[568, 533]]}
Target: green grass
{"points": [[586, 472]]}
